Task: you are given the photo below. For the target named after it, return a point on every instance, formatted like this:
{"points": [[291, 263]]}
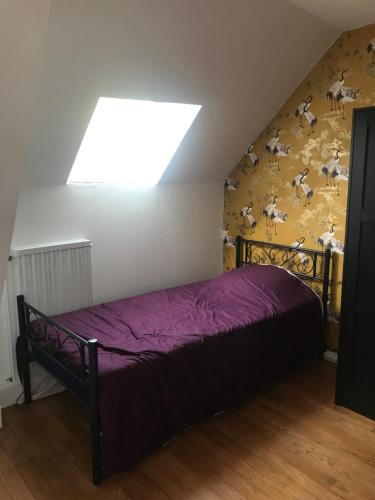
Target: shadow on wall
{"points": [[292, 182]]}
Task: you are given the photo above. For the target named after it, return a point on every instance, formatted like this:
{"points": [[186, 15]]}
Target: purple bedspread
{"points": [[170, 358]]}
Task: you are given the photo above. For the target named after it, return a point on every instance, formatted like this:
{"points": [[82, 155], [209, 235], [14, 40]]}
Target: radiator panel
{"points": [[54, 278]]}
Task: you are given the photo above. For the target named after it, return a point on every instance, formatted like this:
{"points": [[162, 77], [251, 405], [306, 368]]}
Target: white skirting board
{"points": [[9, 393], [330, 356], [42, 385]]}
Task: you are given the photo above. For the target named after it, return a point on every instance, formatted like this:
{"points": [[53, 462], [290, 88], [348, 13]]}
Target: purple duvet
{"points": [[170, 358]]}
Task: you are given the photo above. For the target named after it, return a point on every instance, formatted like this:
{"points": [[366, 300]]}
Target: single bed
{"points": [[150, 366]]}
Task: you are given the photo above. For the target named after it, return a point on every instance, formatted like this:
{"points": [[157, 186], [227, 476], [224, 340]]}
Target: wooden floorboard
{"points": [[288, 442]]}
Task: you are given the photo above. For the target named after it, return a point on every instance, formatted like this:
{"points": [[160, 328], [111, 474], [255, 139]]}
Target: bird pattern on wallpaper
{"points": [[248, 218], [251, 156], [305, 115], [298, 244], [291, 185]]}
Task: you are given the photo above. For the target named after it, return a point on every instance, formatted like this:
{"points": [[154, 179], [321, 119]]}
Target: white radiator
{"points": [[54, 278]]}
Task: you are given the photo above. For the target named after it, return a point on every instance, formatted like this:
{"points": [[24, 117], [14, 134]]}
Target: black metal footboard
{"points": [[44, 340]]}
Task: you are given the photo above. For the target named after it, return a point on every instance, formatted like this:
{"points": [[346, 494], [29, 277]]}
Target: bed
{"points": [[150, 366]]}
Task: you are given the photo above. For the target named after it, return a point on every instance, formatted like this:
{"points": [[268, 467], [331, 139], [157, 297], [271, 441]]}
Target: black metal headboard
{"points": [[312, 266]]}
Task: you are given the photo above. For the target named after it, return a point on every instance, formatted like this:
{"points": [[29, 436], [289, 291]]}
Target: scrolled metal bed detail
{"points": [[37, 342], [312, 266], [43, 339]]}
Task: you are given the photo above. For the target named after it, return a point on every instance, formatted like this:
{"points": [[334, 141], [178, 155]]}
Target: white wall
{"points": [[239, 59], [23, 28], [142, 240]]}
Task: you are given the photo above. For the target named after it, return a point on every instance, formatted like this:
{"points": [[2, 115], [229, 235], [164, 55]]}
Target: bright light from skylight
{"points": [[130, 141]]}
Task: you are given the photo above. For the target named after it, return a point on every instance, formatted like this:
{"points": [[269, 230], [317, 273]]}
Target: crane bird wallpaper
{"points": [[291, 184]]}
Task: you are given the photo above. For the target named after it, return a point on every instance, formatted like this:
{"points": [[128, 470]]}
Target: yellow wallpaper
{"points": [[292, 183]]}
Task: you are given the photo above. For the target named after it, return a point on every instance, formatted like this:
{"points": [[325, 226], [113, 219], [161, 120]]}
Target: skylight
{"points": [[131, 141]]}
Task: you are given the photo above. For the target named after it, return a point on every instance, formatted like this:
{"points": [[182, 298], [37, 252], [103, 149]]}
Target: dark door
{"points": [[356, 364]]}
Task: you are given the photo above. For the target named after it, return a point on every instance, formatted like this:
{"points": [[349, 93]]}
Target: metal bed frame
{"points": [[38, 343], [312, 266], [42, 338]]}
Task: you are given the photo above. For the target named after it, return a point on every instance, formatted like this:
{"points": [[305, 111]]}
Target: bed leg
{"points": [[96, 467], [24, 357], [26, 376], [94, 412]]}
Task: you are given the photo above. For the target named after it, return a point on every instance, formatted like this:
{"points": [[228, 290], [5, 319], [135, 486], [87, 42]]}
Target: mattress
{"points": [[169, 358]]}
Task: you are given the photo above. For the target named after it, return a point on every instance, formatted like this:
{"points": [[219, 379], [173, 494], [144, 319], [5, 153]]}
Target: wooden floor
{"points": [[289, 442]]}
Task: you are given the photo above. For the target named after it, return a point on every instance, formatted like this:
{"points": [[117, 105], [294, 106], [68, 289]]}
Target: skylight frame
{"points": [[130, 141]]}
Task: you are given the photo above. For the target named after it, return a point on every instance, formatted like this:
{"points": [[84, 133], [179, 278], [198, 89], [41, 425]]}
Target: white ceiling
{"points": [[239, 59], [345, 14]]}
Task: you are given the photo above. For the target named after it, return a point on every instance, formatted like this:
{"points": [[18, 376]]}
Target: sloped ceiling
{"points": [[22, 26], [345, 14], [239, 59]]}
